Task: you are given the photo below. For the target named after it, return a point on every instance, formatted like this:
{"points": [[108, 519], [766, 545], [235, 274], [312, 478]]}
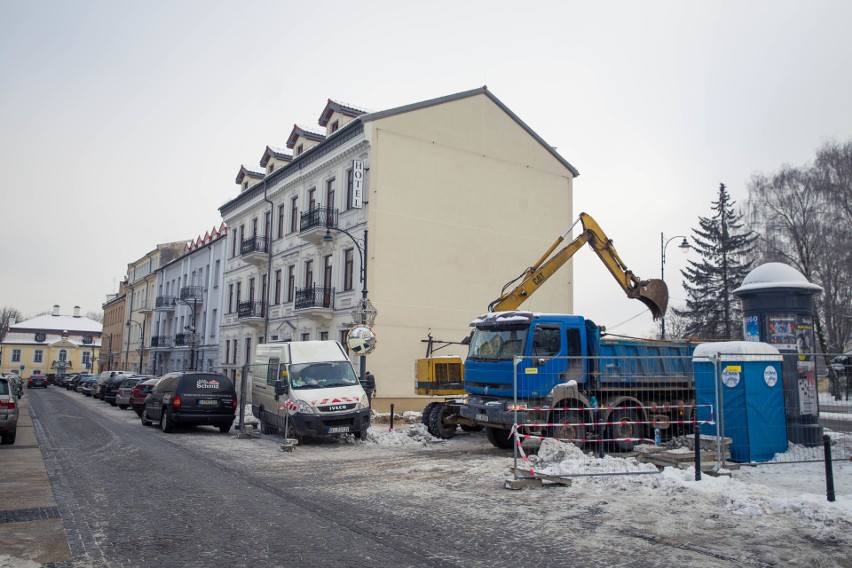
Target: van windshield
{"points": [[323, 375]]}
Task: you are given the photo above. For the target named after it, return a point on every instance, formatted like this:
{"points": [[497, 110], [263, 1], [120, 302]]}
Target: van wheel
{"points": [[224, 428], [167, 425], [9, 438], [145, 420], [264, 425]]}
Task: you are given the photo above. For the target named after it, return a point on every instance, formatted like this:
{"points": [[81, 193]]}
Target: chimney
{"points": [[76, 311], [55, 309]]}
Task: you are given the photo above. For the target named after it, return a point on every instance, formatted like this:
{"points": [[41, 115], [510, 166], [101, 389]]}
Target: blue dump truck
{"points": [[558, 375], [555, 375]]}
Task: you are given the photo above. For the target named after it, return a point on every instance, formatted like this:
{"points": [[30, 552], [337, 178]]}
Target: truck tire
{"points": [[569, 427], [427, 413], [499, 438], [623, 424], [437, 426]]}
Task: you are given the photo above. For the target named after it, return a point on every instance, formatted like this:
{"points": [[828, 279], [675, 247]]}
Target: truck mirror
{"points": [[280, 388]]}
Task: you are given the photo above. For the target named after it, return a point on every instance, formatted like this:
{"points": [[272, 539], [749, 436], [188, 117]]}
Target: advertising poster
{"points": [[781, 331], [751, 328]]}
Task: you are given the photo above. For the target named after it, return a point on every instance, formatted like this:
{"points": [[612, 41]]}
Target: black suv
{"points": [[191, 398]]}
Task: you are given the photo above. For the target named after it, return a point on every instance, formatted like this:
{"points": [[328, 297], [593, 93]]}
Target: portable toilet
{"points": [[738, 386]]}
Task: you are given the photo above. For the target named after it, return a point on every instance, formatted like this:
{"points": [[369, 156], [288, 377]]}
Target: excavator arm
{"points": [[653, 293]]}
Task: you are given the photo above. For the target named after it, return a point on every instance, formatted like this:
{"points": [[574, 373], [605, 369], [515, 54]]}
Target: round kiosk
{"points": [[778, 309]]}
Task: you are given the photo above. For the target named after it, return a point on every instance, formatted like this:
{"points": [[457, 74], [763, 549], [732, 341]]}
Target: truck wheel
{"points": [[437, 427], [499, 438], [569, 427], [623, 424], [427, 413]]}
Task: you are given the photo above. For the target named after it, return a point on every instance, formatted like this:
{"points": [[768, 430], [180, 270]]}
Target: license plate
{"points": [[482, 418], [208, 402], [338, 429]]}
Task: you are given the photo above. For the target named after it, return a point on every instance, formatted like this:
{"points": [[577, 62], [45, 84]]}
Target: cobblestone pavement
{"points": [[133, 496]]}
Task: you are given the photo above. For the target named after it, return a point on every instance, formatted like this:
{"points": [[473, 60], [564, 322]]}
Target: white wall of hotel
{"points": [[461, 196]]}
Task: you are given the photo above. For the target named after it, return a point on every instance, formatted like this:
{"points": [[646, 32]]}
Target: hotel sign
{"points": [[357, 184]]}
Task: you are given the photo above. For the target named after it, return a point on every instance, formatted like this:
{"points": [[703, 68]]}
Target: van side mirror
{"points": [[280, 388]]}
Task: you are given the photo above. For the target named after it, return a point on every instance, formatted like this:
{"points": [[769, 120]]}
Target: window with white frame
{"points": [[38, 356]]}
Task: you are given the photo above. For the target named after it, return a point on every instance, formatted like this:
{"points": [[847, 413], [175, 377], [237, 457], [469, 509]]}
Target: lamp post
{"points": [[141, 340], [684, 246], [365, 311]]}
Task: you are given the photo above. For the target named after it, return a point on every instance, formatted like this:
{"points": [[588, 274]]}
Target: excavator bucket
{"points": [[653, 293]]}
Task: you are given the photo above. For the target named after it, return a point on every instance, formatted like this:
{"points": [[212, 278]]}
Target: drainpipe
{"points": [[268, 264]]}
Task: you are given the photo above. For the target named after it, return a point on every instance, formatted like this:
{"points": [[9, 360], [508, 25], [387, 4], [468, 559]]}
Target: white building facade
{"points": [[458, 196], [187, 307]]}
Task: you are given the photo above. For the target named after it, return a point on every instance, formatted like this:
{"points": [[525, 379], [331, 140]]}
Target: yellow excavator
{"points": [[653, 293], [445, 376]]}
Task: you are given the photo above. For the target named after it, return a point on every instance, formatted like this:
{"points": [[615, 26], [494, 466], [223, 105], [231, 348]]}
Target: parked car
{"points": [[8, 411], [98, 387], [140, 392], [191, 398], [37, 381], [109, 388], [122, 399], [85, 385]]}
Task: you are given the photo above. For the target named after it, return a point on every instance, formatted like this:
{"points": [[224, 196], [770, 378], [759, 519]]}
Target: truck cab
{"points": [[536, 351]]}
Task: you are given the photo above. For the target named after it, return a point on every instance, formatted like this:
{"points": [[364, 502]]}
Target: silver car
{"points": [[8, 411], [122, 398]]}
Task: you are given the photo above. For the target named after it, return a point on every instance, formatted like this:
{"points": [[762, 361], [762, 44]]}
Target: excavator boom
{"points": [[653, 293]]}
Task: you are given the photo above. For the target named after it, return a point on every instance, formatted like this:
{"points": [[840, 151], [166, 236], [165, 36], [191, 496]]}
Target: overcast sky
{"points": [[123, 124]]}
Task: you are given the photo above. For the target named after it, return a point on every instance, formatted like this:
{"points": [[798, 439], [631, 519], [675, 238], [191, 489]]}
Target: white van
{"points": [[319, 390]]}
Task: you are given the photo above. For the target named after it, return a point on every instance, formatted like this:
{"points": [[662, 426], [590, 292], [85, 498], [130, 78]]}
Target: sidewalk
{"points": [[31, 531]]}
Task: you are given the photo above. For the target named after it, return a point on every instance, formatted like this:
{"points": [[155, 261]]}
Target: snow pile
{"points": [[408, 434]]}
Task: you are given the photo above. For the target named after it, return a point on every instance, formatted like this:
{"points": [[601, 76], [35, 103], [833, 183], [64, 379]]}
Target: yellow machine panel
{"points": [[439, 376]]}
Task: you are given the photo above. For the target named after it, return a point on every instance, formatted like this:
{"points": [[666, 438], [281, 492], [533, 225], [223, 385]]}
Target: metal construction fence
{"points": [[619, 415]]}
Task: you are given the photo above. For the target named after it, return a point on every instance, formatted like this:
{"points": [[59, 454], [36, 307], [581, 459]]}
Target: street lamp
{"points": [[364, 313], [141, 341], [684, 246]]}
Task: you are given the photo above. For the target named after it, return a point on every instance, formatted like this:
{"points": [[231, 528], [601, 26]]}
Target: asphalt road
{"points": [[130, 495]]}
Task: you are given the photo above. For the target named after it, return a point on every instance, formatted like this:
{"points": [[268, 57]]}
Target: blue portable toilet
{"points": [[749, 405]]}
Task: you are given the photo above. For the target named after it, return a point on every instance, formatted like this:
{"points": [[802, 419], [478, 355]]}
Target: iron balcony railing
{"points": [[184, 339], [251, 309], [318, 217], [192, 293], [314, 297], [255, 243], [165, 302], [162, 341]]}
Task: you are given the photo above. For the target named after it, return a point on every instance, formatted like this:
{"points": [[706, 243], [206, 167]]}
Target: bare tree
{"points": [[96, 316], [7, 315], [804, 219]]}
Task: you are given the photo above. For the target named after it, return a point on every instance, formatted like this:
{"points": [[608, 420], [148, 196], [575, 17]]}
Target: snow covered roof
{"points": [[776, 275], [276, 153], [303, 132], [338, 106], [244, 171], [48, 322], [737, 351]]}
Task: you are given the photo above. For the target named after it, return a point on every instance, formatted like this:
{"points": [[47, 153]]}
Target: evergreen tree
{"points": [[712, 311]]}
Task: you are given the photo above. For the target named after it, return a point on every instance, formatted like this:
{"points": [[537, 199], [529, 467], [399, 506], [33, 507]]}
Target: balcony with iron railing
{"points": [[186, 339], [164, 303], [255, 249], [315, 302], [192, 293], [251, 311], [314, 222], [162, 342]]}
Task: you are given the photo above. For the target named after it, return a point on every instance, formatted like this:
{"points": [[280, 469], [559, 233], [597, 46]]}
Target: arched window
{"points": [[63, 355]]}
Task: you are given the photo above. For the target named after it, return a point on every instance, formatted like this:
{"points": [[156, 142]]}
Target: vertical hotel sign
{"points": [[357, 184]]}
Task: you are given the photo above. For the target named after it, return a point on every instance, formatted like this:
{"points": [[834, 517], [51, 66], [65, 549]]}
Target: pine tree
{"points": [[712, 311]]}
